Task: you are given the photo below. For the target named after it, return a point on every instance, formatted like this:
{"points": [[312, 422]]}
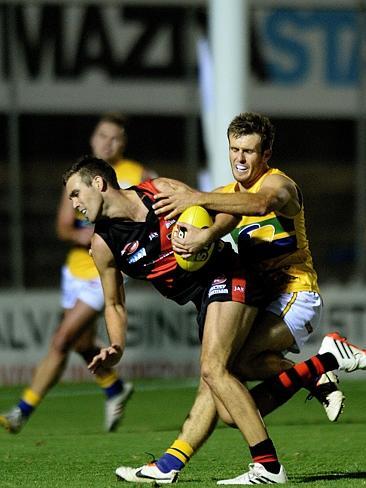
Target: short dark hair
{"points": [[88, 167], [253, 123], [114, 118]]}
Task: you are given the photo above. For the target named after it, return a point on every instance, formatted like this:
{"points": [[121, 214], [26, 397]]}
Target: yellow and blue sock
{"points": [[29, 402], [111, 384], [176, 457]]}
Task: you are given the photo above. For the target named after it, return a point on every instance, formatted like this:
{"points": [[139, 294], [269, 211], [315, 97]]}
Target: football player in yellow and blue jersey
{"points": [[271, 237], [81, 291]]}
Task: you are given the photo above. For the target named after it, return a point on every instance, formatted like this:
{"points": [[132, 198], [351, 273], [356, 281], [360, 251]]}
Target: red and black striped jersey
{"points": [[143, 250]]}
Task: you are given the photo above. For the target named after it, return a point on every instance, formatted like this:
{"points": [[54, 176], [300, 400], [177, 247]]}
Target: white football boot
{"points": [[257, 475], [13, 420], [329, 395], [349, 357], [149, 473], [114, 407]]}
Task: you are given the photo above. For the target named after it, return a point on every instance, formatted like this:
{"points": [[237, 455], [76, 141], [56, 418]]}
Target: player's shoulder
{"points": [[127, 165], [277, 177], [127, 162], [229, 188], [134, 169], [97, 244], [99, 250], [165, 184]]}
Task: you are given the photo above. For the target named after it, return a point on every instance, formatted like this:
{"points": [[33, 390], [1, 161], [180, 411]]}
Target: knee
{"points": [[211, 373]]}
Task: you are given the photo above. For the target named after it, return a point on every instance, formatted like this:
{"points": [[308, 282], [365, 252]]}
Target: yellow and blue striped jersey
{"points": [[275, 247]]}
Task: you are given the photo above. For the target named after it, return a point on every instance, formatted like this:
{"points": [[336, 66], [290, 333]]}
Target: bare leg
{"points": [[226, 328], [51, 367], [201, 419], [261, 356]]}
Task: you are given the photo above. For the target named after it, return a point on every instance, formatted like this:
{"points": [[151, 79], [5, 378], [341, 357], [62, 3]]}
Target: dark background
{"points": [[317, 153], [320, 154]]}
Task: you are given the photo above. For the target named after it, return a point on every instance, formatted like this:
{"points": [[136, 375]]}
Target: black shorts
{"points": [[222, 279], [229, 286]]}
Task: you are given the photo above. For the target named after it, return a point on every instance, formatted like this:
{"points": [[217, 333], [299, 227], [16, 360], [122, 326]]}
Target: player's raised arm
{"points": [[115, 312]]}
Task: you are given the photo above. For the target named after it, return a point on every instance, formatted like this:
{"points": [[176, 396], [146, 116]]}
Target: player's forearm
{"points": [[234, 203], [116, 322], [223, 224], [78, 237]]}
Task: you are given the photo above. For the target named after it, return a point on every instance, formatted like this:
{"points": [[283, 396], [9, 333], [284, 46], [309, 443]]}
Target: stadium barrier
{"points": [[162, 339]]}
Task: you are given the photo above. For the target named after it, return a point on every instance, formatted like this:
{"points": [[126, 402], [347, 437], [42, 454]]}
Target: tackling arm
{"points": [[196, 239], [277, 193], [175, 197]]}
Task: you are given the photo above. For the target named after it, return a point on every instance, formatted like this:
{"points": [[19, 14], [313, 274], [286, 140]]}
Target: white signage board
{"points": [[90, 57], [162, 338]]}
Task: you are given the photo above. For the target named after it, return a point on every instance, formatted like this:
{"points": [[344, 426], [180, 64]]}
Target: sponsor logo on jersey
{"points": [[141, 253], [153, 235], [219, 280], [219, 286], [130, 247], [217, 291]]}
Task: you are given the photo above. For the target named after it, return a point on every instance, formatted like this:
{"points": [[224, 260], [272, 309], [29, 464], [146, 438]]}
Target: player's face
{"points": [[107, 142], [247, 161], [86, 199]]}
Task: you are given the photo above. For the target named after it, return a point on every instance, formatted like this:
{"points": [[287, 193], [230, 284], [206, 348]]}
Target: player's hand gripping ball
{"points": [[199, 217]]}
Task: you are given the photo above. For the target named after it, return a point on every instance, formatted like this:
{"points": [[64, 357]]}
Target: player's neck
{"points": [[126, 205]]}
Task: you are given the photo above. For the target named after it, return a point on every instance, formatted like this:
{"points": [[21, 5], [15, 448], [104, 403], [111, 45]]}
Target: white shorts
{"points": [[301, 312], [87, 291]]}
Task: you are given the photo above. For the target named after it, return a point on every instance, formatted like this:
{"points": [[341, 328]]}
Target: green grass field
{"points": [[64, 445]]}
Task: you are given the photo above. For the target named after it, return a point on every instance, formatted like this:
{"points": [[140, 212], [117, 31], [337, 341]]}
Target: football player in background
{"points": [[81, 291]]}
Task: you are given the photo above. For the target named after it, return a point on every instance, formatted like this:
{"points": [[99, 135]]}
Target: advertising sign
{"points": [[87, 57], [162, 339]]}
